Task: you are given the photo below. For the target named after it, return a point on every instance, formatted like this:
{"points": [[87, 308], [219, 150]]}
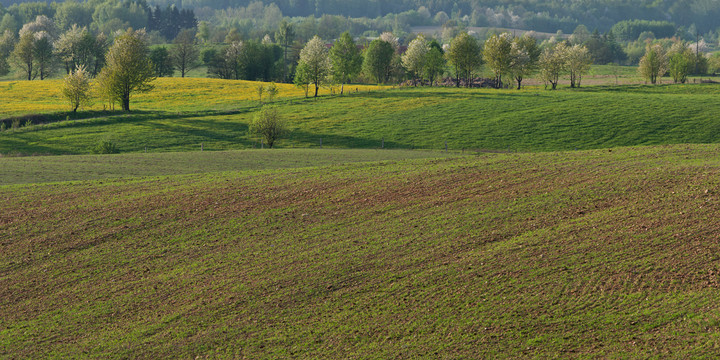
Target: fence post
{"points": [[382, 143], [202, 146]]}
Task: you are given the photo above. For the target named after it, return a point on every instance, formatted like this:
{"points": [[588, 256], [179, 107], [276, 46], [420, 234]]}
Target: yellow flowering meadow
{"points": [[170, 94]]}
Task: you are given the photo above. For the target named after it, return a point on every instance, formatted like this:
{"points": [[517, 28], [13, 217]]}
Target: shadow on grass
{"points": [[308, 139]]}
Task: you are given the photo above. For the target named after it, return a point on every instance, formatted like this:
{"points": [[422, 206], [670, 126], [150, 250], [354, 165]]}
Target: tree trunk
{"points": [[342, 88], [316, 89], [285, 64], [126, 103], [519, 81]]}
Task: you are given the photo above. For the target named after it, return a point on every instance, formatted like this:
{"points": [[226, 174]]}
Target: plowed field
{"points": [[603, 253]]}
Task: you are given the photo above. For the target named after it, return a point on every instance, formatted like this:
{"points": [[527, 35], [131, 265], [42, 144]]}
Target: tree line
{"points": [[539, 15], [41, 47], [425, 61], [101, 16]]}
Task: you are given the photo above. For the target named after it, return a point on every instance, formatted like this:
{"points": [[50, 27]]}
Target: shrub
{"points": [[105, 147], [268, 125]]}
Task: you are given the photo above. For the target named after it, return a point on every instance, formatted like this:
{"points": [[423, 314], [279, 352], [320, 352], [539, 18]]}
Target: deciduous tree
{"points": [[162, 63], [7, 43], [435, 64], [524, 56], [654, 63], [76, 88], [184, 51], [578, 63], [497, 54], [553, 63], [315, 56], [346, 60], [128, 67], [681, 62], [302, 77], [377, 60], [285, 35], [44, 56], [416, 56], [23, 56], [268, 125], [464, 55]]}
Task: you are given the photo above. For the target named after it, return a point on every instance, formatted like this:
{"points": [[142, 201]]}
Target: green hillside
{"points": [[177, 116], [603, 253]]}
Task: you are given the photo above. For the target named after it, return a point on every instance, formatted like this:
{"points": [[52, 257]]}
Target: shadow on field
{"points": [[429, 93], [210, 131], [313, 139], [141, 116], [13, 147]]}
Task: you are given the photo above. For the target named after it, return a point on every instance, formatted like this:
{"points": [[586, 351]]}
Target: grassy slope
{"points": [[41, 169], [182, 113], [597, 253]]}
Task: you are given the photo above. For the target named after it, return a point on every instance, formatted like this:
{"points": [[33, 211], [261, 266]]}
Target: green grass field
{"points": [[182, 114], [43, 169], [602, 253]]}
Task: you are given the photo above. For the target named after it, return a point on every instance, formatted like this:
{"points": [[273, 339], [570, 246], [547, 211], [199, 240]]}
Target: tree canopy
{"points": [[128, 68]]}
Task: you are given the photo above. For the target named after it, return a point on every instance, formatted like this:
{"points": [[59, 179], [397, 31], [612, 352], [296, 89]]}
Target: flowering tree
{"points": [[524, 57], [76, 88], [553, 63], [578, 63], [654, 63], [681, 61], [314, 57], [415, 58]]}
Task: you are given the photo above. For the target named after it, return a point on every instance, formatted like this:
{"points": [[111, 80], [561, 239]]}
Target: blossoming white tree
{"points": [[414, 59], [314, 57]]}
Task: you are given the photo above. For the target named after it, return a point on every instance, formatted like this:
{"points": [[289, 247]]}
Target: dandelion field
{"points": [[185, 114]]}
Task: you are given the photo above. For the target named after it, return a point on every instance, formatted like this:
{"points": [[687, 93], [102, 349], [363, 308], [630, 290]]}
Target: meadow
{"points": [[601, 253], [185, 114], [60, 168], [574, 223]]}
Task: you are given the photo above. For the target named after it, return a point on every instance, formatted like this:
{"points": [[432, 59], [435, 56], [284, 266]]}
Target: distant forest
{"points": [[701, 16]]}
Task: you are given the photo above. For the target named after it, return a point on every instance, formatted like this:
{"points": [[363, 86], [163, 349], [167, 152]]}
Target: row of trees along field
{"points": [[101, 16], [382, 60], [622, 40], [39, 49], [425, 61]]}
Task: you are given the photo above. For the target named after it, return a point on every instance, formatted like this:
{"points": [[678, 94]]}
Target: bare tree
{"points": [[184, 51]]}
